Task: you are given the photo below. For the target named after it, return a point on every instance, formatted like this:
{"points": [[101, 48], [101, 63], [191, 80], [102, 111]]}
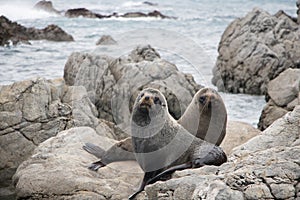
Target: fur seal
{"points": [[205, 117], [161, 145]]}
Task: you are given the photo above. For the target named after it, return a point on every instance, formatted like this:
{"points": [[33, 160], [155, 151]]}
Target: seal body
{"points": [[161, 144], [206, 116]]}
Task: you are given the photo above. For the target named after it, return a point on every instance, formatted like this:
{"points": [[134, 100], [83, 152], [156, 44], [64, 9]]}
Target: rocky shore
{"points": [[44, 123], [16, 33], [84, 12]]}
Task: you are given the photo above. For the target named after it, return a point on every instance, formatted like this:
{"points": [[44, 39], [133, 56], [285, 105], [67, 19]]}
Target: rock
{"points": [[46, 6], [154, 13], [134, 15], [58, 170], [237, 133], [82, 12], [51, 32], [113, 83], [12, 31], [106, 40], [34, 110], [254, 50], [283, 94], [150, 3], [298, 11], [269, 114], [285, 88], [265, 167]]}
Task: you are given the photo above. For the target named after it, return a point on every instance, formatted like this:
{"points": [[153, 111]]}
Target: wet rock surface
{"points": [[16, 33], [46, 6]]}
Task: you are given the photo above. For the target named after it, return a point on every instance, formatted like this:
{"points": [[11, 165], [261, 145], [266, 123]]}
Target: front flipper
{"points": [[148, 176], [170, 171]]}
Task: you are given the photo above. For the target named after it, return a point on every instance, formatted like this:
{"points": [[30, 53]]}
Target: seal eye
{"points": [[142, 95], [202, 99], [157, 100]]}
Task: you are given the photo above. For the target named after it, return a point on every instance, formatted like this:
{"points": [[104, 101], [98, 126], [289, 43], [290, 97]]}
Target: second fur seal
{"points": [[205, 117], [161, 145]]}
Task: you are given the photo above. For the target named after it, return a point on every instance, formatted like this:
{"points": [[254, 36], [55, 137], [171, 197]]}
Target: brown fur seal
{"points": [[205, 117], [161, 145]]}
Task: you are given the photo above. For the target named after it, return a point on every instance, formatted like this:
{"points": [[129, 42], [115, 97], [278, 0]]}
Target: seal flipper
{"points": [[169, 171], [94, 149], [96, 165], [148, 176], [215, 157]]}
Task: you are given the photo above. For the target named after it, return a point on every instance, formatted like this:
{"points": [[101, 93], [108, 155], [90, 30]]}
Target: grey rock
{"points": [[83, 12], [113, 83], [34, 110], [285, 88], [283, 191], [237, 133], [254, 50], [12, 31], [269, 114], [60, 165], [265, 167], [259, 191], [255, 170], [106, 40], [283, 94]]}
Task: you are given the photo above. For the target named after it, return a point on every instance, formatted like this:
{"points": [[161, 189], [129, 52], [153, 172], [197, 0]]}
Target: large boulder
{"points": [[58, 170], [266, 167], [12, 31], [32, 111], [254, 50], [283, 94], [113, 83]]}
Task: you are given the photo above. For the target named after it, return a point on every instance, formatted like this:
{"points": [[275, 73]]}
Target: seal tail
{"points": [[94, 149]]}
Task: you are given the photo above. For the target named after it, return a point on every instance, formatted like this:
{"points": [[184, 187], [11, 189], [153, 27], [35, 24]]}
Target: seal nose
{"points": [[147, 98]]}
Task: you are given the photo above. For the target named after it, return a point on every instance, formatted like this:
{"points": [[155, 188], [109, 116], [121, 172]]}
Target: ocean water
{"points": [[190, 41]]}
